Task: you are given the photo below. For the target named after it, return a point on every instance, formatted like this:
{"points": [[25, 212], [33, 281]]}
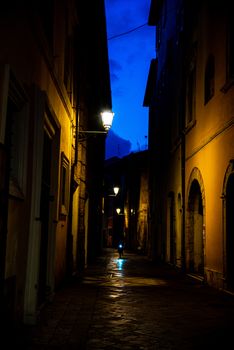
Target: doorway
{"points": [[44, 217], [195, 245], [172, 235], [230, 232]]}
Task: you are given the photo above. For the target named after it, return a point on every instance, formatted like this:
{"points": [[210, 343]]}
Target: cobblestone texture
{"points": [[132, 304]]}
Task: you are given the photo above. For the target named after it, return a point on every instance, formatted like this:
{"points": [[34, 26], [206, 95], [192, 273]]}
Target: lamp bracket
{"points": [[92, 132]]}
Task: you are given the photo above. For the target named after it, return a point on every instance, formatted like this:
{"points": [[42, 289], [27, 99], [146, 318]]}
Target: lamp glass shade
{"points": [[107, 119], [116, 190], [118, 210]]}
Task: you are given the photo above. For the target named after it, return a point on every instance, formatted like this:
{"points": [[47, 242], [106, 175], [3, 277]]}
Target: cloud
{"points": [[144, 9], [118, 91], [116, 146], [115, 68], [131, 58], [115, 65], [125, 15], [114, 78], [130, 52]]}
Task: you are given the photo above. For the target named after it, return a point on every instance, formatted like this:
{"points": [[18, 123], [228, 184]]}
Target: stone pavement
{"points": [[132, 303]]}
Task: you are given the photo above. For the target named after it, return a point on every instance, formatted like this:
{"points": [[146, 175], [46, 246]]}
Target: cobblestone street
{"points": [[132, 303]]}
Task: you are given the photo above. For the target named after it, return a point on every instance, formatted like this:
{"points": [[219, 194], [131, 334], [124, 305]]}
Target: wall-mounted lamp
{"points": [[107, 119], [118, 210], [116, 190]]}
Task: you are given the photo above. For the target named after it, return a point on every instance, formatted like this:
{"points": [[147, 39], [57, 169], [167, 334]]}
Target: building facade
{"points": [[54, 82], [191, 138]]}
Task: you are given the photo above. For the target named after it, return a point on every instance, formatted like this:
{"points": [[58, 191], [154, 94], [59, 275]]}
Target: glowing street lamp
{"points": [[116, 190], [107, 119], [118, 210]]}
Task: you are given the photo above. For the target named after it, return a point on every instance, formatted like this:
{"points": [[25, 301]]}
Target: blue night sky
{"points": [[130, 52]]}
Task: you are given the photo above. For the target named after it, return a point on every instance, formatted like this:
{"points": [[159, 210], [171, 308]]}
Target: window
{"points": [[69, 59], [68, 66], [17, 137], [158, 35], [230, 58], [46, 9], [230, 52], [209, 78], [169, 55], [191, 84], [64, 185], [179, 24]]}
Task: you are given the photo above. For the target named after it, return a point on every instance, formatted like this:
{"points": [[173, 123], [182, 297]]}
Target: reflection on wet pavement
{"points": [[118, 312], [131, 303], [117, 278], [120, 264]]}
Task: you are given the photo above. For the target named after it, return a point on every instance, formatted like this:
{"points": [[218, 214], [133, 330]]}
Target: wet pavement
{"points": [[132, 303]]}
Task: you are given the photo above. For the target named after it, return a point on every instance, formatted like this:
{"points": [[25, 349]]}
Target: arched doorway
{"points": [[171, 228], [230, 232], [195, 244]]}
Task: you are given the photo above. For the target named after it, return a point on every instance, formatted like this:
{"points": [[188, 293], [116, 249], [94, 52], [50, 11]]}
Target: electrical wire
{"points": [[127, 32]]}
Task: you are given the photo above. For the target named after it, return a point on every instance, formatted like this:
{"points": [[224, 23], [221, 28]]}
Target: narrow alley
{"points": [[132, 303]]}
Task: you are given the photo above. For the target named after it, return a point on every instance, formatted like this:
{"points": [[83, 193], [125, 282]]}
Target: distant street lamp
{"points": [[118, 210], [116, 190]]}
